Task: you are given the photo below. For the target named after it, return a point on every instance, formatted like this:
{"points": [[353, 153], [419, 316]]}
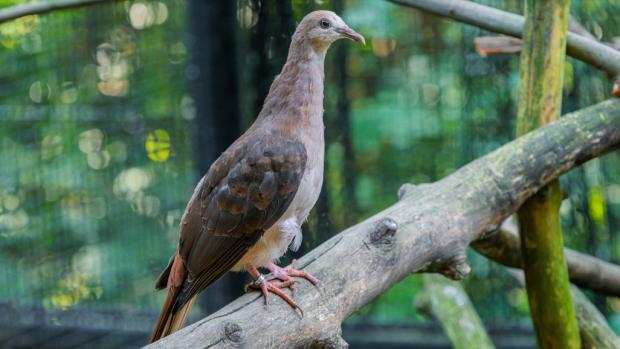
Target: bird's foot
{"points": [[285, 274], [265, 286]]}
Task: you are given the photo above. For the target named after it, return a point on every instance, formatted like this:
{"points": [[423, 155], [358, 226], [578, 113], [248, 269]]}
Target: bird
{"points": [[247, 210]]}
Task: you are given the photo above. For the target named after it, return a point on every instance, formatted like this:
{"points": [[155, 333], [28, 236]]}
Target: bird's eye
{"points": [[324, 24]]}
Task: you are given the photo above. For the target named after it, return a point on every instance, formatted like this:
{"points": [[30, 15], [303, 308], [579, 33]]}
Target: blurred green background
{"points": [[109, 115]]}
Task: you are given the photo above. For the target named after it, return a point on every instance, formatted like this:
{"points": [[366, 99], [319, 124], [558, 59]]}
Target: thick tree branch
{"points": [[585, 271], [429, 229], [37, 8], [581, 47]]}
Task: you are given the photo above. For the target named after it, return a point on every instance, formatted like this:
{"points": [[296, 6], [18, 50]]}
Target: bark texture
{"points": [[594, 329], [428, 230], [448, 303]]}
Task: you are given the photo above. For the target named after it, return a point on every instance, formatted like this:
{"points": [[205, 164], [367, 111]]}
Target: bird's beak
{"points": [[351, 34]]}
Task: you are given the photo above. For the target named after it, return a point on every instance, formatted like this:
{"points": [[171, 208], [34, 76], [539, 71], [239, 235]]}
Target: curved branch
{"points": [[581, 47], [585, 271], [429, 229], [17, 11]]}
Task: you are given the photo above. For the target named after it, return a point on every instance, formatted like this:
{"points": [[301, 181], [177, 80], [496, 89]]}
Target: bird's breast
{"points": [[312, 180]]}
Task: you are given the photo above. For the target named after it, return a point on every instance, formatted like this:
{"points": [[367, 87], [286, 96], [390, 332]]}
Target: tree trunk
{"points": [[269, 42], [540, 100]]}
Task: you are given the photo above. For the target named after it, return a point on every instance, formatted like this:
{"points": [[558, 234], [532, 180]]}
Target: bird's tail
{"points": [[171, 319]]}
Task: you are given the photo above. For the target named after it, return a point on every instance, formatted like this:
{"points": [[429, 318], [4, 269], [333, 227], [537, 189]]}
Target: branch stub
{"points": [[382, 233]]}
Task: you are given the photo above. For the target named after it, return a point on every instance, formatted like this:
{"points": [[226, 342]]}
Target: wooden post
{"points": [[540, 100]]}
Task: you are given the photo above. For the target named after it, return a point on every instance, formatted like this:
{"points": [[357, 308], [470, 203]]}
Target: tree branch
{"points": [[578, 46], [448, 303], [585, 271], [17, 11], [435, 222], [575, 27], [493, 45], [594, 329]]}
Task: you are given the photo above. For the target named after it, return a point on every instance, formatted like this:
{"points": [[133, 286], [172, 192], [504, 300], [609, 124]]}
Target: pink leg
{"points": [[266, 286], [284, 274]]}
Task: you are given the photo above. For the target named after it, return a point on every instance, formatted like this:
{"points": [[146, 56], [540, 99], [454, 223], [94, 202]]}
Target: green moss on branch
{"points": [[546, 277], [448, 303]]}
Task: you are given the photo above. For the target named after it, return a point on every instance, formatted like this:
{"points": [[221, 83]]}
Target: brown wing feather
{"points": [[243, 195]]}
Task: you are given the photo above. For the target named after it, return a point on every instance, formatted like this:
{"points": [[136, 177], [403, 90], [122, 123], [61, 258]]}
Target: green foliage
{"points": [[90, 204]]}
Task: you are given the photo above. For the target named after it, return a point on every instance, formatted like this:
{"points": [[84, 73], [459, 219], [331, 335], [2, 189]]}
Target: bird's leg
{"points": [[266, 286], [284, 274]]}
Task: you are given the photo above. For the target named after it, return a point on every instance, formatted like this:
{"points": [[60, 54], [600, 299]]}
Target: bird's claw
{"points": [[274, 287], [277, 279], [284, 274]]}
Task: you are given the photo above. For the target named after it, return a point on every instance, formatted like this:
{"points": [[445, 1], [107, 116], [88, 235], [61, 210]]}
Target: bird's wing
{"points": [[244, 193]]}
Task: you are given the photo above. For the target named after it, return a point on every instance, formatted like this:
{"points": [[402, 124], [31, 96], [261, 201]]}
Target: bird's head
{"points": [[322, 28]]}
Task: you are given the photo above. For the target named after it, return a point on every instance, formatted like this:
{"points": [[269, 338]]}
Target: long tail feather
{"points": [[169, 321], [172, 317]]}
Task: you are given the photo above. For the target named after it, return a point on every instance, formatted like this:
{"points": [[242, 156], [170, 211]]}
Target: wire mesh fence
{"points": [[100, 144]]}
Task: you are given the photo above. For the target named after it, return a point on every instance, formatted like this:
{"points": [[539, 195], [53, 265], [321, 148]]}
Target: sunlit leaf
{"points": [[158, 145], [596, 204]]}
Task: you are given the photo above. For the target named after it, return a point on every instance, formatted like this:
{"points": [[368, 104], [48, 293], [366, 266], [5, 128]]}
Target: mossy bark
{"points": [[447, 302], [595, 331], [542, 59], [504, 247]]}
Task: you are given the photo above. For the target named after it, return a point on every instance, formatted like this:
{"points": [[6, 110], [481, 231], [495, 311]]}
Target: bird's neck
{"points": [[295, 98]]}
